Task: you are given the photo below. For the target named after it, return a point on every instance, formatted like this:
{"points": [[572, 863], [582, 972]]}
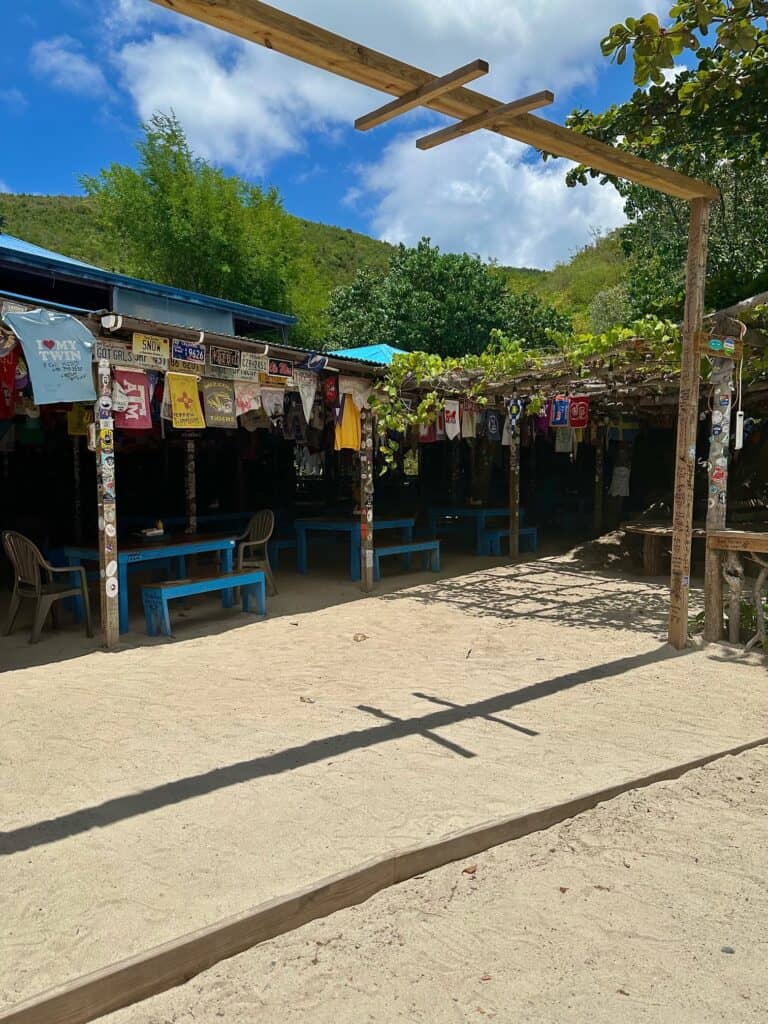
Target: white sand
{"points": [[153, 791], [621, 914]]}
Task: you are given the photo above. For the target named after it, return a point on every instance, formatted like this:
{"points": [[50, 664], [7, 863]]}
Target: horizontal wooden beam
{"points": [[174, 963], [495, 119], [425, 93], [260, 23]]}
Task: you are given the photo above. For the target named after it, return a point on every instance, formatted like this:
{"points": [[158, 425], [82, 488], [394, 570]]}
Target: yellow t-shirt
{"points": [[348, 430]]}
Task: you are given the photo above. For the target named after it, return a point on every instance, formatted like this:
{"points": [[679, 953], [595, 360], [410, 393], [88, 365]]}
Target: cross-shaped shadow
{"points": [[488, 718], [426, 733]]}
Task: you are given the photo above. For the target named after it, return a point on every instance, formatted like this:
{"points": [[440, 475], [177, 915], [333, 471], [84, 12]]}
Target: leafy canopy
{"points": [[435, 302], [178, 220]]}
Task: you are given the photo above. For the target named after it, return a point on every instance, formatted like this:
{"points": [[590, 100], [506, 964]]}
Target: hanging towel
{"points": [[452, 423], [564, 440]]}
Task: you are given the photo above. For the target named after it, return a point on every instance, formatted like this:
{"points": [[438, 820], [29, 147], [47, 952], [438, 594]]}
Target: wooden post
{"points": [[514, 491], [190, 484], [366, 500], [597, 515], [687, 421], [734, 577], [107, 509], [717, 496], [77, 502]]}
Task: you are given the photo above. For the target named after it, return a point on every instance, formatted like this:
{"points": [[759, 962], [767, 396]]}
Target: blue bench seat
{"points": [[429, 550], [155, 596], [493, 537]]}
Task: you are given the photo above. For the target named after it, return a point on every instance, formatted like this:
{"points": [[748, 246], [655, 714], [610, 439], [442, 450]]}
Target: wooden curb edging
{"points": [[175, 962]]}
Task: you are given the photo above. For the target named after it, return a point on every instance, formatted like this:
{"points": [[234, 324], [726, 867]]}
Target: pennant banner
{"points": [[219, 401], [452, 424], [135, 387], [306, 382], [58, 350], [186, 413], [247, 398]]}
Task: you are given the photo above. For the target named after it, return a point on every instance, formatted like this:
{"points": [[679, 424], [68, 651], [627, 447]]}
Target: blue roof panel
{"points": [[16, 250], [380, 354]]}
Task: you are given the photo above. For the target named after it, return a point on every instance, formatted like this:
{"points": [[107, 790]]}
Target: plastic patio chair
{"points": [[252, 552], [34, 579]]}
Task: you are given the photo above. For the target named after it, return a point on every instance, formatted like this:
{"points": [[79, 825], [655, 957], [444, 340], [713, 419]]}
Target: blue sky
{"points": [[84, 73]]}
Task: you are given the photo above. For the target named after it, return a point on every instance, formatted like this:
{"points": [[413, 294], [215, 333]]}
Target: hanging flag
{"points": [[134, 385], [331, 389], [452, 425], [186, 413], [492, 425], [247, 397], [578, 412], [313, 361], [58, 350], [306, 382], [219, 401], [8, 383], [427, 433], [559, 413], [468, 421], [440, 426], [273, 400], [78, 419]]}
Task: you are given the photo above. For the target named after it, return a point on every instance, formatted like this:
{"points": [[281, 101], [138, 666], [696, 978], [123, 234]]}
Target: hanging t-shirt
{"points": [[348, 430], [559, 411], [492, 425], [564, 440], [468, 422], [8, 383]]}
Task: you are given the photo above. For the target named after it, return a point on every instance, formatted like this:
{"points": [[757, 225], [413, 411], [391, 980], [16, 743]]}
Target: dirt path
{"points": [[153, 791]]}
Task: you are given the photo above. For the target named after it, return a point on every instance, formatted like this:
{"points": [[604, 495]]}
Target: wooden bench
{"points": [[657, 537], [155, 596], [429, 550], [492, 537]]}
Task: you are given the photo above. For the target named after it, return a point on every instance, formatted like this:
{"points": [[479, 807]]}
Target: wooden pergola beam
{"points": [[424, 94], [494, 119], [260, 23]]}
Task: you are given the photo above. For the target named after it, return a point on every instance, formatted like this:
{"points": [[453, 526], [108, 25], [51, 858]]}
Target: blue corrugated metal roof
{"points": [[381, 354], [16, 250]]}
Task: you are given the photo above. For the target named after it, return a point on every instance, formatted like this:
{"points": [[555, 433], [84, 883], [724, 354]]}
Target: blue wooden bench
{"points": [[429, 549], [155, 596], [492, 538]]}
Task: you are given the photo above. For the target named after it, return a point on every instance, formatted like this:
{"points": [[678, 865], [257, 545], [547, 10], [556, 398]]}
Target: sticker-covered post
{"points": [[687, 422], [107, 508], [717, 497], [190, 483], [597, 512], [366, 500], [514, 491]]}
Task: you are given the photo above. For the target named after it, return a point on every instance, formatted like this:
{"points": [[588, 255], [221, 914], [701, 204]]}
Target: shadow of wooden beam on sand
{"points": [[133, 805]]}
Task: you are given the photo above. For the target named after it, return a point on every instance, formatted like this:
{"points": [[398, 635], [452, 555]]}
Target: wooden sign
{"points": [[721, 348]]}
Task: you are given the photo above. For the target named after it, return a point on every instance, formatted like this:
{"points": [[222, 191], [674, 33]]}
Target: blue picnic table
{"points": [[475, 515], [350, 526], [172, 549]]}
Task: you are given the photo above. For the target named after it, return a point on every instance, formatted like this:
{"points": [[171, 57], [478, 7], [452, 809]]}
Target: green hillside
{"points": [[67, 224]]}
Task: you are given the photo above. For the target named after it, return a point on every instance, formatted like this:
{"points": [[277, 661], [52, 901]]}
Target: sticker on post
{"points": [[111, 569], [369, 559], [110, 587], [686, 582]]}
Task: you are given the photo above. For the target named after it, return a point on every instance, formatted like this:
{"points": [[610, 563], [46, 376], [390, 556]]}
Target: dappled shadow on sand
{"points": [[552, 590], [329, 747]]}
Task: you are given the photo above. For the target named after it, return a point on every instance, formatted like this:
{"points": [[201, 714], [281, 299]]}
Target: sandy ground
{"points": [[153, 791], [650, 908]]}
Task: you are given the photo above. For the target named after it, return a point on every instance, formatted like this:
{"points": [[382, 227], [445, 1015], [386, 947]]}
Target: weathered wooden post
{"points": [[687, 421], [366, 500], [597, 515], [717, 497], [107, 508], [77, 502], [190, 484], [733, 572], [514, 491]]}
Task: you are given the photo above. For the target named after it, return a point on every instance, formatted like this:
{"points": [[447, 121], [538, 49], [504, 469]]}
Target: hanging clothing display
{"points": [[348, 427], [452, 419], [136, 415], [468, 421], [440, 427], [330, 388], [620, 482], [578, 412], [294, 424], [247, 397], [272, 399], [559, 412], [507, 434], [427, 433], [8, 383], [359, 388], [564, 440], [59, 352], [306, 382], [492, 425]]}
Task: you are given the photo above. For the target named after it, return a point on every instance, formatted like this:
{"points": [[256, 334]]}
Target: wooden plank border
{"points": [[176, 962]]}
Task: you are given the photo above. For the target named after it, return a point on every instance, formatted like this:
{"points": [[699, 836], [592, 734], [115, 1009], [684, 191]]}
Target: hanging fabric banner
{"points": [[559, 413], [186, 413], [58, 350], [452, 425], [492, 425], [219, 401], [273, 399], [306, 382], [313, 361], [578, 412], [136, 415], [8, 383], [358, 387], [78, 419], [247, 398], [468, 422]]}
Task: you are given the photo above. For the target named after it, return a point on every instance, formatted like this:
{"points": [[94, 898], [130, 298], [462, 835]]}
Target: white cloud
{"points": [[14, 100], [62, 61], [487, 198], [246, 107]]}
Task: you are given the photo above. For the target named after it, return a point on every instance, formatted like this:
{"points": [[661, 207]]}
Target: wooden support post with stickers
{"points": [[104, 428], [366, 499]]}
